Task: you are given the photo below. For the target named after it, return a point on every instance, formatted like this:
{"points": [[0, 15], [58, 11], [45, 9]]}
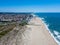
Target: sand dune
{"points": [[33, 34]]}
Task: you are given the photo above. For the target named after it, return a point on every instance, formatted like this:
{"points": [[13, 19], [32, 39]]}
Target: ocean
{"points": [[53, 22]]}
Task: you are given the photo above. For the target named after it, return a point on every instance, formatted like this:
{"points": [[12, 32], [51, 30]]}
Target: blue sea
{"points": [[53, 22]]}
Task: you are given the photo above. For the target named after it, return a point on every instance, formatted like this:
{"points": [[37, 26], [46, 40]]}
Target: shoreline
{"points": [[47, 29], [46, 25], [35, 33]]}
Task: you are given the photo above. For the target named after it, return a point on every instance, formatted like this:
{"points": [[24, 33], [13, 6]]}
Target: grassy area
{"points": [[1, 26], [23, 23], [6, 30]]}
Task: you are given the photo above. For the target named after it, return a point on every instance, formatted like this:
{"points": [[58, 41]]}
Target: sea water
{"points": [[53, 22]]}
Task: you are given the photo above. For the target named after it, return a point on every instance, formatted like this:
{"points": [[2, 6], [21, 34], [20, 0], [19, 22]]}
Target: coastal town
{"points": [[24, 29], [8, 21], [15, 16]]}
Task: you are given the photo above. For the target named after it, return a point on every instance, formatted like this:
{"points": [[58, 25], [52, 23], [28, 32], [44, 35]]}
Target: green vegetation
{"points": [[23, 23], [7, 29], [1, 26], [4, 29]]}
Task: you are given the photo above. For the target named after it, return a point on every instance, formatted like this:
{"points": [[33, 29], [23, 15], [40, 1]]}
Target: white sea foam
{"points": [[56, 33], [46, 25], [51, 33], [57, 36]]}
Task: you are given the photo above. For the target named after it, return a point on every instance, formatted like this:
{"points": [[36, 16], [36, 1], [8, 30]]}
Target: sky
{"points": [[29, 5]]}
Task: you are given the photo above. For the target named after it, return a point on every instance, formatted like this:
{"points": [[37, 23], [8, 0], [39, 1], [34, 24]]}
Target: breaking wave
{"points": [[57, 37]]}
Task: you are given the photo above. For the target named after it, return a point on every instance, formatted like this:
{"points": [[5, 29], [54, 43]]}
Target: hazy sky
{"points": [[29, 5]]}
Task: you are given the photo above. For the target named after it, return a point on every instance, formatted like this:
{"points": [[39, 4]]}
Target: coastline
{"points": [[46, 25], [45, 30], [35, 33]]}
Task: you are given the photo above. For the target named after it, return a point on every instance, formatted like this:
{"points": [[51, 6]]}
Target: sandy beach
{"points": [[39, 35], [35, 33]]}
